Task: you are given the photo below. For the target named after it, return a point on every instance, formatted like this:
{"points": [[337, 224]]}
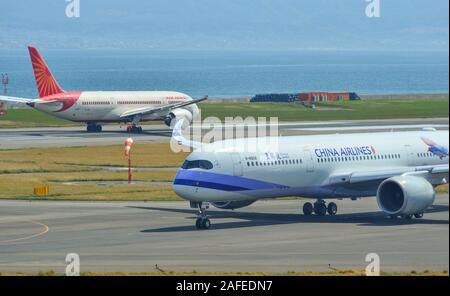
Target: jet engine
{"points": [[405, 195], [177, 115], [231, 205]]}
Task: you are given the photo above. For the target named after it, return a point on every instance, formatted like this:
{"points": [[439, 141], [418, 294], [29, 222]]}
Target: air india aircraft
{"points": [[95, 107]]}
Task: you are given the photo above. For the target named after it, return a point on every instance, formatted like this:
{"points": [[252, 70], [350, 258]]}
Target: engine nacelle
{"points": [[176, 115], [231, 205], [405, 195]]}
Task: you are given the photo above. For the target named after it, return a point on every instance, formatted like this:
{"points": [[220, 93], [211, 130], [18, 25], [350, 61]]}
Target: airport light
{"points": [[5, 81]]}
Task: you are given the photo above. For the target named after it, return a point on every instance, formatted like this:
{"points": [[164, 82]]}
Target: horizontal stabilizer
{"points": [[16, 99]]}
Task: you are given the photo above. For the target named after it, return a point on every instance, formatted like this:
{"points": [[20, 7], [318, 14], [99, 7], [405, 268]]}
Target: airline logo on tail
{"points": [[49, 90], [436, 149], [45, 81]]}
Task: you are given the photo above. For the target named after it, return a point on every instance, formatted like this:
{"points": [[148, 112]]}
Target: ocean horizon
{"points": [[233, 74]]}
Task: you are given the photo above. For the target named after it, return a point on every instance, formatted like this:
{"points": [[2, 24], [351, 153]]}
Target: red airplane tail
{"points": [[45, 81]]}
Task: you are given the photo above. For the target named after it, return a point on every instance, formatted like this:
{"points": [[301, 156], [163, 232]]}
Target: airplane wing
{"points": [[434, 174], [177, 135], [149, 110], [16, 99]]}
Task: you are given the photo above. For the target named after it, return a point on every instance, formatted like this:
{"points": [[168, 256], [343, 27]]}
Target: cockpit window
{"points": [[197, 164]]}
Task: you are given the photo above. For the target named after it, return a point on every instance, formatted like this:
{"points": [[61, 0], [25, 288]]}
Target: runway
{"points": [[267, 236], [115, 134]]}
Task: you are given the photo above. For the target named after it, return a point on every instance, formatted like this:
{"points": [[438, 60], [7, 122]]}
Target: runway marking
{"points": [[45, 226]]}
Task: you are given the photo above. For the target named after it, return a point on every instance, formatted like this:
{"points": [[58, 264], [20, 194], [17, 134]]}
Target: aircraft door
{"points": [[308, 159], [409, 154], [237, 164], [76, 110]]}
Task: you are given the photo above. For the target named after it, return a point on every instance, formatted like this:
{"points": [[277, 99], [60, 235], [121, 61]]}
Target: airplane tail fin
{"points": [[45, 81]]}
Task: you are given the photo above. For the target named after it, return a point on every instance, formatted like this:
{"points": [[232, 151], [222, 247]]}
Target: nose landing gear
{"points": [[202, 221], [320, 208]]}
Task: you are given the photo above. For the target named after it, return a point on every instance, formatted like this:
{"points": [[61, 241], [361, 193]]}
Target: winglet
{"points": [[177, 135], [177, 131]]}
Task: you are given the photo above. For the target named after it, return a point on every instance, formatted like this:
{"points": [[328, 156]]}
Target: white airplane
{"points": [[106, 106], [400, 168]]}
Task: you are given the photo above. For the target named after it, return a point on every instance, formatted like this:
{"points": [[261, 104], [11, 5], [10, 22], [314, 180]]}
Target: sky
{"points": [[420, 25]]}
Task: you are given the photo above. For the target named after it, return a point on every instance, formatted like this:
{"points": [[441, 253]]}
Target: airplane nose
{"points": [[179, 186], [185, 185]]}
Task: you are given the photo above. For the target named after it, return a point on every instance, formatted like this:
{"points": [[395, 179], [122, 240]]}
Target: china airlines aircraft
{"points": [[400, 168], [106, 106]]}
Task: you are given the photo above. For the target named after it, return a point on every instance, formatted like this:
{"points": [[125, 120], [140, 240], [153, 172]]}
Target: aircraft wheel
{"points": [[332, 209], [407, 217], [134, 129], [418, 215], [320, 208], [308, 209], [98, 128], [198, 223], [206, 223]]}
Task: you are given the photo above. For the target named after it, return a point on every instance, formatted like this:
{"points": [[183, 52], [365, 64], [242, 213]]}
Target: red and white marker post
{"points": [[128, 143]]}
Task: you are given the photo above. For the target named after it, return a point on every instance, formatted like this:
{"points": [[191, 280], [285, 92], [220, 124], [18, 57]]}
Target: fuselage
{"points": [[108, 106], [301, 165]]}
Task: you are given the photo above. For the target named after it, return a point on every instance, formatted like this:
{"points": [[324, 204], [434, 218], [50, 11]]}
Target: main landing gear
{"points": [[134, 129], [93, 127], [320, 208], [202, 221]]}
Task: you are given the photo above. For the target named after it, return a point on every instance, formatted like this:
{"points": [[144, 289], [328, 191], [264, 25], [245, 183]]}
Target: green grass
{"points": [[57, 166], [366, 109], [354, 110]]}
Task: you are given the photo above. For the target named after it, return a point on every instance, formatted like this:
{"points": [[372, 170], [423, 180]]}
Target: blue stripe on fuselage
{"points": [[221, 182], [209, 185]]}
